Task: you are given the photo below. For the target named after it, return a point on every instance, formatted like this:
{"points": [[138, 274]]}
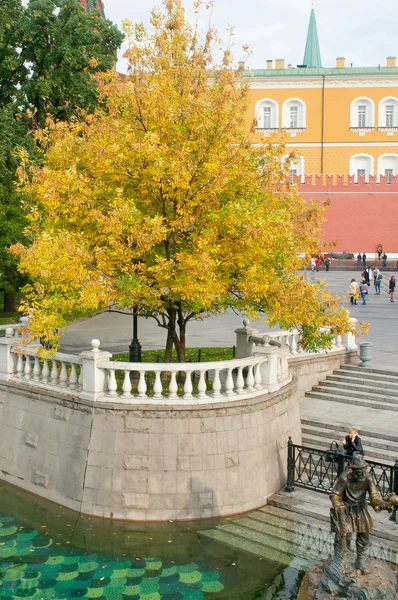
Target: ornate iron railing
{"points": [[319, 470]]}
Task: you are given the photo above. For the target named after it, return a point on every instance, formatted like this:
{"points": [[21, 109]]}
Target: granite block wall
{"points": [[141, 462]]}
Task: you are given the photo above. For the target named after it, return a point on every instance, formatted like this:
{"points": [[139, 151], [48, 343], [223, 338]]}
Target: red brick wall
{"points": [[361, 216]]}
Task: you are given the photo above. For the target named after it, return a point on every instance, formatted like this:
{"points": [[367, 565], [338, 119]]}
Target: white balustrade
{"points": [[33, 370], [203, 381]]}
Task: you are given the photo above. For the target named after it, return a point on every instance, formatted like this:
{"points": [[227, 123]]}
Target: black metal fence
{"points": [[319, 470]]}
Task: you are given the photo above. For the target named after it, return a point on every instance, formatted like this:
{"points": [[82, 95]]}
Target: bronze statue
{"points": [[349, 516]]}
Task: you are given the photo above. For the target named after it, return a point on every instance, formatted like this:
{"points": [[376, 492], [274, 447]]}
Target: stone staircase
{"points": [[293, 529], [373, 389]]}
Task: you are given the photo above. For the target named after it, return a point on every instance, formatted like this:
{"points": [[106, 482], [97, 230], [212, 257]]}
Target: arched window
{"points": [[388, 113], [294, 114], [296, 167], [362, 114], [267, 114], [361, 165], [388, 165]]}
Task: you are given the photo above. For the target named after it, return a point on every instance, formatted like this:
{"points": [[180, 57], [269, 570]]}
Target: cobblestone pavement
{"points": [[115, 330]]}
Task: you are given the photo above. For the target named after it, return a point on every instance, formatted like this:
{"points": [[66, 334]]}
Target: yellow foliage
{"points": [[159, 200]]}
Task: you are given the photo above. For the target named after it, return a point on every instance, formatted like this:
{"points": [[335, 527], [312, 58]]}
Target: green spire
{"points": [[312, 55]]}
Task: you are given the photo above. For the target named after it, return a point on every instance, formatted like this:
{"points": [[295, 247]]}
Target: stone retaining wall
{"points": [[143, 462], [312, 368]]}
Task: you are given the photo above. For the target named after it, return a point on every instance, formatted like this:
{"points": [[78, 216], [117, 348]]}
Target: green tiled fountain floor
{"points": [[32, 567]]}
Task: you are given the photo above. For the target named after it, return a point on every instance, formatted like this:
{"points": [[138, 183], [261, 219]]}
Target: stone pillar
{"points": [[6, 358], [94, 384], [269, 369], [244, 347], [348, 339]]}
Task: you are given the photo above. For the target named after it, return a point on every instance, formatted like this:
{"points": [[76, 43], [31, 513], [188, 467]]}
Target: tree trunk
{"points": [[10, 301], [181, 346], [168, 352]]}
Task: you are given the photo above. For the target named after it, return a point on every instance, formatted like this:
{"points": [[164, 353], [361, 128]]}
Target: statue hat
{"points": [[358, 462]]}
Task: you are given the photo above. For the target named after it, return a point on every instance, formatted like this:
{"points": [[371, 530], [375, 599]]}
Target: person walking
{"points": [[377, 277], [379, 252], [317, 263], [359, 259], [353, 291], [364, 290], [312, 263], [366, 276], [391, 288], [327, 264], [364, 259], [385, 259]]}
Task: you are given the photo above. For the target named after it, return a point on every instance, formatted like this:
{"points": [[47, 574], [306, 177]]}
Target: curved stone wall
{"points": [[143, 462]]}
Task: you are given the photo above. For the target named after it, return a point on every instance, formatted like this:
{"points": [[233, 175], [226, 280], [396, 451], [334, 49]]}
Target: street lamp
{"points": [[135, 346]]}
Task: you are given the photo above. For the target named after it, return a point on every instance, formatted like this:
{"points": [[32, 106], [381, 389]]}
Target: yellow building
{"points": [[341, 120]]}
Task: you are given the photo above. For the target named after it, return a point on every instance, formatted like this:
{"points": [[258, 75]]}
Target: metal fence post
{"points": [[394, 485], [290, 466], [340, 464]]}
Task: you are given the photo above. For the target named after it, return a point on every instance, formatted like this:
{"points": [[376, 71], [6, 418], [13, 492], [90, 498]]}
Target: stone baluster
{"points": [[28, 368], [54, 372], [126, 384], [257, 377], [157, 386], [216, 384], [73, 377], [36, 369], [45, 372], [229, 384], [250, 379], [188, 386], [142, 387], [112, 383], [240, 382], [173, 386], [20, 366], [63, 377], [348, 340], [202, 387]]}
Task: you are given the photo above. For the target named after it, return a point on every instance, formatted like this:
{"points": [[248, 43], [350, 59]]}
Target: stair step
{"points": [[342, 428], [390, 374], [329, 388], [233, 540], [315, 505], [349, 383], [311, 531], [353, 401], [269, 536]]}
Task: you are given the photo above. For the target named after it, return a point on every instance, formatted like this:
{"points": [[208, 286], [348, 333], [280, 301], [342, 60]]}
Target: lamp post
{"points": [[135, 346]]}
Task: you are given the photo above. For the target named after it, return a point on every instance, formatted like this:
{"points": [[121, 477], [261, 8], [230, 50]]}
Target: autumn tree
{"points": [[159, 201], [49, 52]]}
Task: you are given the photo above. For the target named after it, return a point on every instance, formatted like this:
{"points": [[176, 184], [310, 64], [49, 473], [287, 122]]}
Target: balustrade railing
{"points": [[92, 375], [60, 371], [204, 381], [248, 340]]}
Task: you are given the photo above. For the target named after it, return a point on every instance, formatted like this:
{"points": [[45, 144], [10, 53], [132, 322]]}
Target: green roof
{"points": [[312, 55], [319, 72]]}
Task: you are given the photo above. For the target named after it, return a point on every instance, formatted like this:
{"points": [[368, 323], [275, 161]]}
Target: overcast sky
{"points": [[363, 31]]}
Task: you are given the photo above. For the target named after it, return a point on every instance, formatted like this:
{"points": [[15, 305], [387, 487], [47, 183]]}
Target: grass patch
{"points": [[192, 354]]}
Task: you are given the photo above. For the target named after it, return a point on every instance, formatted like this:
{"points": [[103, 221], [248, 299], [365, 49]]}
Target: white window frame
{"points": [[359, 162], [383, 104], [298, 167], [355, 112], [386, 162], [301, 113], [259, 113]]}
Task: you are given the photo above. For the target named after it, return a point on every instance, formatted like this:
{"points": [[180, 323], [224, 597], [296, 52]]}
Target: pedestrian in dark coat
{"points": [[391, 288]]}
